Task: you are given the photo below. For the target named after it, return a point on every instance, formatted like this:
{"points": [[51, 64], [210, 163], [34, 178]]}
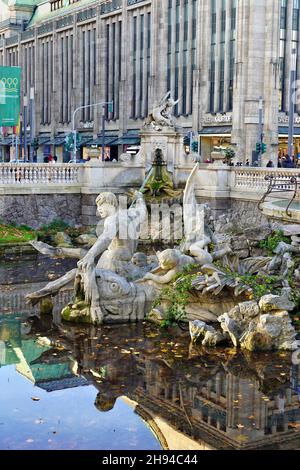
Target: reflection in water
{"points": [[28, 273], [190, 397], [54, 407]]}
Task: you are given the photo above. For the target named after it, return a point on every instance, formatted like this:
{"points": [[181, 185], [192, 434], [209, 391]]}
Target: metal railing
{"points": [[283, 186]]}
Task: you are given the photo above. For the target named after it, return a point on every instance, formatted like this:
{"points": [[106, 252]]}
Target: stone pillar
{"points": [[271, 81], [124, 93], [239, 79], [256, 75], [159, 51], [201, 74]]}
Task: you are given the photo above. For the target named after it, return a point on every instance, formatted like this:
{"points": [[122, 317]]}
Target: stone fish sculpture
{"points": [[120, 301]]}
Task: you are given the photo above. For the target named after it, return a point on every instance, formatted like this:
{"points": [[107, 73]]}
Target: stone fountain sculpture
{"points": [[161, 115], [115, 284], [106, 293]]}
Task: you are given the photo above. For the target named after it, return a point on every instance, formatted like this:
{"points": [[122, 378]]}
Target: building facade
{"points": [[218, 57]]}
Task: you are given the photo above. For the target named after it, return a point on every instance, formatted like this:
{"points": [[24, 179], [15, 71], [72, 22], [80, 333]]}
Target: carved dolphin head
{"points": [[121, 301], [111, 286]]}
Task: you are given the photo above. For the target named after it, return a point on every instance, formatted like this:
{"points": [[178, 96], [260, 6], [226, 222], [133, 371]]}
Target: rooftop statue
{"points": [[161, 115]]}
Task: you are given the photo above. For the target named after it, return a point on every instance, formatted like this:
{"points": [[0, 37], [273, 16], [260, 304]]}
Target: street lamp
{"points": [[25, 103], [31, 119], [103, 104], [261, 128], [292, 104]]}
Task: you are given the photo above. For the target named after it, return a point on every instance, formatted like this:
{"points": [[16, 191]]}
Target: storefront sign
{"points": [[88, 125], [285, 120], [10, 78], [219, 118]]}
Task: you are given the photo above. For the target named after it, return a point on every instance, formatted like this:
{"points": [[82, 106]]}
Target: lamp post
{"points": [[31, 120], [25, 103], [103, 131], [104, 103], [292, 104], [261, 128]]}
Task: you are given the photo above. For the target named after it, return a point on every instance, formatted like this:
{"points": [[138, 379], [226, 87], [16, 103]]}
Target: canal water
{"points": [[131, 387]]}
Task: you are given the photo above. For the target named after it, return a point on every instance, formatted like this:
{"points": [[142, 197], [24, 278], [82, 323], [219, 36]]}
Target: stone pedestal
{"points": [[170, 142], [218, 159]]}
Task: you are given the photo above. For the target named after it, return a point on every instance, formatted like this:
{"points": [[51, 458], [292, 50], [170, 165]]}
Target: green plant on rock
{"points": [[176, 297], [261, 284], [55, 226], [47, 231], [272, 242]]}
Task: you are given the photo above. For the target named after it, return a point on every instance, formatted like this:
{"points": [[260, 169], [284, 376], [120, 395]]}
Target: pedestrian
{"points": [[288, 162]]}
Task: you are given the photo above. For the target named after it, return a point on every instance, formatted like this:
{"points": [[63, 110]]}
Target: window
{"points": [[56, 4]]}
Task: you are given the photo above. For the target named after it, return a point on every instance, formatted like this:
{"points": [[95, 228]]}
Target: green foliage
{"points": [[13, 233], [297, 324], [55, 226], [46, 231], [176, 296], [26, 228], [261, 284], [156, 186], [74, 232], [272, 242], [229, 154]]}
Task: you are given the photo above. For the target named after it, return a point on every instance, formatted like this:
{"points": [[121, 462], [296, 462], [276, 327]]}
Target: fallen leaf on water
{"points": [[294, 425]]}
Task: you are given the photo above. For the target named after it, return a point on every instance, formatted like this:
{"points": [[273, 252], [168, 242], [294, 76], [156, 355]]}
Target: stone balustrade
{"points": [[256, 179], [39, 174]]}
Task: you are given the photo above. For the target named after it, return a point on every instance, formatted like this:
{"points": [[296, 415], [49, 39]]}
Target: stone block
{"points": [[239, 243], [89, 210], [88, 220], [291, 230], [270, 303], [243, 254]]}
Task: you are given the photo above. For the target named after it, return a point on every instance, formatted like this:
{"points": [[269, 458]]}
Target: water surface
{"points": [[134, 387]]}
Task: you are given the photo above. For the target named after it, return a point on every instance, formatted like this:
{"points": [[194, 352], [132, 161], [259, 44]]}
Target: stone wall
{"points": [[40, 209], [247, 213], [241, 212]]}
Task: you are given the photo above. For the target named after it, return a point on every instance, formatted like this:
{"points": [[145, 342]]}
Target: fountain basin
{"points": [[278, 210]]}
